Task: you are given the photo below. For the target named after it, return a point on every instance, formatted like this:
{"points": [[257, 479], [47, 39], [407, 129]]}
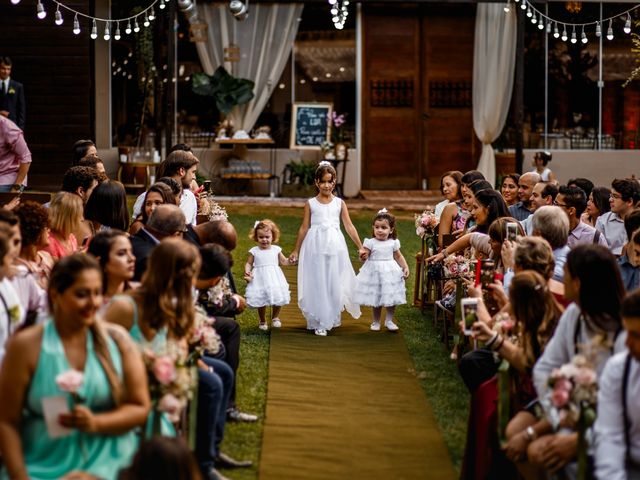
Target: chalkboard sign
{"points": [[310, 125]]}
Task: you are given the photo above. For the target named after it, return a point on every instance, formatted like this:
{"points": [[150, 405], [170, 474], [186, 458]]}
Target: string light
{"points": [[76, 25], [598, 30], [627, 24], [136, 27], [583, 37], [107, 33], [529, 12], [540, 25], [506, 7], [146, 22], [339, 13], [564, 37], [523, 5], [162, 5], [574, 39], [152, 14], [610, 30], [15, 2], [59, 20], [94, 30], [40, 11], [556, 33], [117, 35], [534, 20], [127, 29]]}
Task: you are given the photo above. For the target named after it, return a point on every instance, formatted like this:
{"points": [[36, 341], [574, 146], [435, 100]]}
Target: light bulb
{"points": [[610, 31], [162, 5], [506, 7], [574, 39], [583, 37], [146, 22], [548, 27], [523, 5], [564, 37], [94, 31], [127, 29], [598, 30], [152, 15], [534, 20], [107, 33], [117, 35], [136, 27], [556, 33], [15, 2], [40, 11], [334, 11], [529, 12], [627, 24], [76, 25], [59, 18], [541, 25]]}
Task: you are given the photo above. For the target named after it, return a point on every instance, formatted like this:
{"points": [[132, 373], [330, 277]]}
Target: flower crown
{"points": [[382, 211], [324, 163]]}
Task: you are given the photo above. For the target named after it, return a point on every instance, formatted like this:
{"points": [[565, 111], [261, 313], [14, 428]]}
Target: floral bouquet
{"points": [[202, 337], [71, 381], [426, 223], [573, 399], [457, 266], [216, 294], [211, 208], [171, 381]]}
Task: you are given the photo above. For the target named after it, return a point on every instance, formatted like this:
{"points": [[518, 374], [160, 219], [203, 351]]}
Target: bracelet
{"points": [[444, 253], [18, 186], [493, 340], [499, 345]]}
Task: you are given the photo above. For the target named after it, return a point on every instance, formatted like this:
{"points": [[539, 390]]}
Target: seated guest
{"points": [[115, 396], [181, 166], [552, 224], [12, 315], [509, 188], [625, 193], [165, 221], [629, 261], [83, 149], [81, 181], [454, 215], [543, 194], [158, 194], [593, 282], [617, 427], [584, 184], [597, 204], [96, 162], [65, 215], [162, 458], [450, 190], [34, 227], [112, 249], [107, 207], [573, 202], [521, 210]]}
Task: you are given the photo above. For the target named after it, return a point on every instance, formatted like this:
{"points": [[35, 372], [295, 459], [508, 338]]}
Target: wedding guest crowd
{"points": [[555, 314]]}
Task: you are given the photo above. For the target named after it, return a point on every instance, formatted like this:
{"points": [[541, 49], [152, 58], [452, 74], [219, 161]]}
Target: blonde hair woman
{"points": [[65, 216]]}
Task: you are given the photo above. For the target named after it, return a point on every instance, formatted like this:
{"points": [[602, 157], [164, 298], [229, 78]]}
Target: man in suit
{"points": [[165, 221], [12, 104]]}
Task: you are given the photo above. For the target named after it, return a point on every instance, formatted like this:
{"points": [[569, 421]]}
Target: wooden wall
{"points": [[55, 67], [431, 47]]}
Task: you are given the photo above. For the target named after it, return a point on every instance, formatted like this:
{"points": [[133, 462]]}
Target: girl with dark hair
{"points": [[83, 149], [101, 365], [509, 188], [113, 250], [107, 207], [158, 194], [487, 207], [597, 204], [592, 325]]}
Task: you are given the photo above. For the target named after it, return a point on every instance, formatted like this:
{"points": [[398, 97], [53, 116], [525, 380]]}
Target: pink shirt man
{"points": [[15, 157]]}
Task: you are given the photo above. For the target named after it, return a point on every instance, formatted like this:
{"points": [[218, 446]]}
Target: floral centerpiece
{"points": [[573, 399], [426, 223], [337, 122]]}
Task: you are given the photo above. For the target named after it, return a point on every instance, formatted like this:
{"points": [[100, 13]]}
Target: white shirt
{"points": [[612, 227], [561, 348], [610, 445], [188, 205], [12, 319]]}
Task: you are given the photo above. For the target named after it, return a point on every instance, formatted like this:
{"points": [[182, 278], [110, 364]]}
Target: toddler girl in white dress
{"points": [[380, 282], [266, 282]]}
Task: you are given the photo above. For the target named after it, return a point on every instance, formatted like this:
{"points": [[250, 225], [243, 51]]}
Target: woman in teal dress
{"points": [[114, 398]]}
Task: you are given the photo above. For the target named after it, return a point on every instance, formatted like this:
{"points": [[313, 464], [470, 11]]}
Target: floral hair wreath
{"points": [[324, 163], [382, 210]]}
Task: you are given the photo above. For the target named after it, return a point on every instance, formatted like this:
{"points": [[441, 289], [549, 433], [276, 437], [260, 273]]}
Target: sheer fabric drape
{"points": [[494, 62], [265, 40]]}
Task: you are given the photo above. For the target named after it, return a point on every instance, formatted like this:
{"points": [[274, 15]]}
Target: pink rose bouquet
{"points": [[203, 337], [71, 381], [457, 266]]}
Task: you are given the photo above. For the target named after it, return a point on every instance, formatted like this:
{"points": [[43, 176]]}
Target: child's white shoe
{"points": [[276, 323], [263, 326], [321, 332], [375, 326], [392, 327]]}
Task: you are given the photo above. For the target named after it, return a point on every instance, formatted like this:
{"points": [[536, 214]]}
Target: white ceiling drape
{"points": [[494, 61], [265, 40]]}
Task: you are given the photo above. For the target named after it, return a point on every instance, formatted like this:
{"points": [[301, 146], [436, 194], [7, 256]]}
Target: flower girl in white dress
{"points": [[326, 278], [266, 282], [380, 282]]}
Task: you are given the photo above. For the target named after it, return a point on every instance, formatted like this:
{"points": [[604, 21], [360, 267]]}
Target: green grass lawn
{"points": [[436, 373]]}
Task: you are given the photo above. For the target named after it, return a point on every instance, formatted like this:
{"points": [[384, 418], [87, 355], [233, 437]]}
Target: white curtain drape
{"points": [[494, 62], [265, 40]]}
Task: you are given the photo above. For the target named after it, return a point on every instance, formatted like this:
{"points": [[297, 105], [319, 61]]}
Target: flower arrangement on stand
{"points": [[426, 224], [337, 122], [573, 400]]}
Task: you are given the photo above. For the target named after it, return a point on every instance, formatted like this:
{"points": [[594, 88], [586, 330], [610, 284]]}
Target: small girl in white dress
{"points": [[266, 282], [380, 282], [326, 278]]}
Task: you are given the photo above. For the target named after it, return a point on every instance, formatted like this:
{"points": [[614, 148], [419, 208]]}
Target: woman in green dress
{"points": [[111, 401]]}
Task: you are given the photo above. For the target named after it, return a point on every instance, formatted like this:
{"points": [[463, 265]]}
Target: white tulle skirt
{"points": [[326, 279], [380, 284]]}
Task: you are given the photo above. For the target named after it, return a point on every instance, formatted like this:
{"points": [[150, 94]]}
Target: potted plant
{"points": [[299, 179], [226, 90]]}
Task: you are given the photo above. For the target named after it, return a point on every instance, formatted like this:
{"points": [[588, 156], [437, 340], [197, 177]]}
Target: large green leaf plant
{"points": [[226, 90]]}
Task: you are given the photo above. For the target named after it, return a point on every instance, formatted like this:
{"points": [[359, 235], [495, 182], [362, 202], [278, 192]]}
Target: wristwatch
{"points": [[530, 433], [18, 187]]}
